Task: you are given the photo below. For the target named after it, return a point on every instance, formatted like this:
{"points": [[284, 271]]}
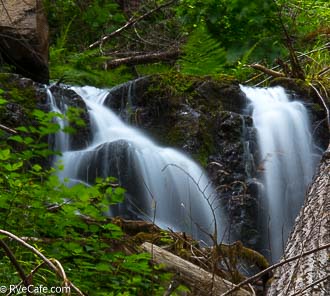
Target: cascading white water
{"points": [[286, 154], [61, 138], [164, 185]]}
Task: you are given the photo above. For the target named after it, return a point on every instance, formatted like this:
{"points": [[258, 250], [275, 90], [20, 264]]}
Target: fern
{"points": [[203, 55]]}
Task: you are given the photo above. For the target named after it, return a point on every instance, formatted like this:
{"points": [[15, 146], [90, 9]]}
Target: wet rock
{"points": [[229, 94], [66, 99], [115, 159], [24, 38]]}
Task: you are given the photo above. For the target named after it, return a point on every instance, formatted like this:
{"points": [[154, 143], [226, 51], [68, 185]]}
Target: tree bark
{"points": [[199, 280], [308, 275]]}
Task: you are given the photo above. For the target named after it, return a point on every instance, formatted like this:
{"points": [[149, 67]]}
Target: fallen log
{"points": [[143, 59], [201, 282]]}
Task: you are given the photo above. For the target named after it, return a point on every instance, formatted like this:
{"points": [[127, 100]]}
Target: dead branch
{"points": [[194, 276], [15, 263], [51, 265], [143, 59], [272, 267], [324, 71], [7, 129], [323, 103], [266, 70], [130, 23], [29, 276]]}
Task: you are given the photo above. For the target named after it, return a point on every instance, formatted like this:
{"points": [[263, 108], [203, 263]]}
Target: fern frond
{"points": [[202, 54]]}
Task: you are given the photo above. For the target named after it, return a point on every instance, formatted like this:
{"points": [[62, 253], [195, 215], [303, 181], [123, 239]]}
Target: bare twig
{"points": [[265, 271], [324, 71], [311, 285], [11, 291], [13, 260], [324, 104], [130, 23], [7, 129], [48, 262], [266, 70]]}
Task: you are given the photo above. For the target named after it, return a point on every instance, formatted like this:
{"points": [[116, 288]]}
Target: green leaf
{"points": [[22, 129], [4, 154], [3, 101], [37, 168], [18, 139], [13, 167]]}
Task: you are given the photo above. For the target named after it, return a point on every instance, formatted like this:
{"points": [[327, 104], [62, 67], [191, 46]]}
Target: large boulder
{"points": [[24, 38]]}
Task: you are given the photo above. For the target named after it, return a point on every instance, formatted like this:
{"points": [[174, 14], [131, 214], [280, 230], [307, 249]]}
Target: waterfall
{"points": [[163, 185], [61, 141], [286, 159]]}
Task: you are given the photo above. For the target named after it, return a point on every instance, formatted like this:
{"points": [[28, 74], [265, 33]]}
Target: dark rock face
{"points": [[24, 38], [116, 159]]}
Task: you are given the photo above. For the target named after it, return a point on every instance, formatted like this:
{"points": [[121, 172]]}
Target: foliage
{"points": [[81, 21], [307, 25], [66, 223], [238, 25], [203, 55], [244, 32], [74, 25], [85, 69]]}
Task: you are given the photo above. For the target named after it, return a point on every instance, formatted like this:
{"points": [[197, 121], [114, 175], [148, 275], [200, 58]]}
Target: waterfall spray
{"points": [[162, 184], [286, 158]]}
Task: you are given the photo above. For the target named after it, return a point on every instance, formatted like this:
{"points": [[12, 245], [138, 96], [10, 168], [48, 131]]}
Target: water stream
{"points": [[163, 185], [287, 161]]}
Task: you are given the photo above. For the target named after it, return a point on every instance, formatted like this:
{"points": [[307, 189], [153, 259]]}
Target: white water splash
{"points": [[61, 142], [286, 158], [174, 188]]}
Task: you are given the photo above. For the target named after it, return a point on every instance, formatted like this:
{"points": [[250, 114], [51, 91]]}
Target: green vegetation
{"points": [[219, 39], [64, 223], [212, 36]]}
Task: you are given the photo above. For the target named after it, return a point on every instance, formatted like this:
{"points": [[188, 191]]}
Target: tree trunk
{"points": [[309, 275], [201, 282]]}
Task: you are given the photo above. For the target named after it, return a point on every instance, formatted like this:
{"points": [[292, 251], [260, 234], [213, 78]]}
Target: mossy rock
{"points": [[23, 96]]}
